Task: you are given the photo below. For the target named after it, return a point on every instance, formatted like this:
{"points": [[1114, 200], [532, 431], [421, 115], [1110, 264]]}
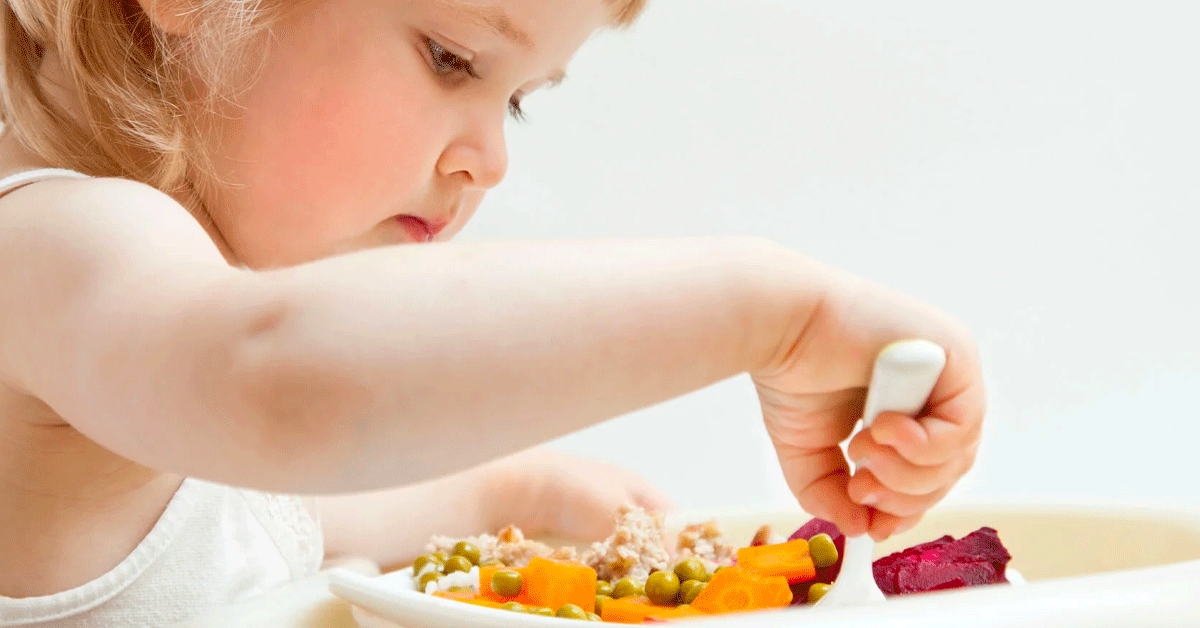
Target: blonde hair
{"points": [[135, 81]]}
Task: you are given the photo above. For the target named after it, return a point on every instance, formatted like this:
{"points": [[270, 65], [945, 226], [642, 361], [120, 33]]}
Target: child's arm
{"points": [[392, 526], [400, 364], [359, 372]]}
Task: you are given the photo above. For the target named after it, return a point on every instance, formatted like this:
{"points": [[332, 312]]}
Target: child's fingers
{"points": [[865, 489], [651, 499], [928, 441], [900, 475], [818, 480], [884, 525]]}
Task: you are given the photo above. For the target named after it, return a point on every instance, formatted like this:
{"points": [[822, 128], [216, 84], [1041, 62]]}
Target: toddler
{"points": [[227, 282]]}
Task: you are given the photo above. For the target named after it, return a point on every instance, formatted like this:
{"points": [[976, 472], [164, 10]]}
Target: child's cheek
{"points": [[327, 152]]}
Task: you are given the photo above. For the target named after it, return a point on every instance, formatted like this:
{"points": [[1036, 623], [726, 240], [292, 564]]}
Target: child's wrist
{"points": [[499, 492], [782, 291]]}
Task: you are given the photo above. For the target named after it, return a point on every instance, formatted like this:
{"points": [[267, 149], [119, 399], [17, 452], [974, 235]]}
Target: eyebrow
{"points": [[495, 18]]}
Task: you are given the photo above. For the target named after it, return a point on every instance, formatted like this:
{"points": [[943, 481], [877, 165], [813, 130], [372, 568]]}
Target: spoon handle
{"points": [[904, 375]]}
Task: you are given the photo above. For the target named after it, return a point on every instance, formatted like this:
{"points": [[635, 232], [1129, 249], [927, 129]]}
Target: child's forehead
{"points": [[499, 14], [486, 13]]}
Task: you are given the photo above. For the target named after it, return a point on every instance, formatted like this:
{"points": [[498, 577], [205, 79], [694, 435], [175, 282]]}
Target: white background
{"points": [[1031, 167]]}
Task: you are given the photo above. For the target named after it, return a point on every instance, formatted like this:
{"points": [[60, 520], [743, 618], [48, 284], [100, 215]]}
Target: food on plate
{"points": [[634, 550], [637, 576], [790, 560], [705, 542], [978, 558], [740, 589]]}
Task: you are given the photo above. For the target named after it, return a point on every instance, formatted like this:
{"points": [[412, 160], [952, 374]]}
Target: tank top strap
{"points": [[20, 179]]}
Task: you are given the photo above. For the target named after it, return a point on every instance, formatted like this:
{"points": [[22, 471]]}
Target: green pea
{"points": [[816, 592], [458, 563], [571, 611], [691, 569], [426, 579], [689, 590], [513, 606], [600, 600], [662, 587], [626, 587], [823, 551], [507, 583], [490, 562], [441, 556], [467, 551], [543, 611], [603, 587], [593, 617], [424, 561]]}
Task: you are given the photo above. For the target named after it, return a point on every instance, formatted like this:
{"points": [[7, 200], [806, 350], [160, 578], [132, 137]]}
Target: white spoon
{"points": [[904, 375]]}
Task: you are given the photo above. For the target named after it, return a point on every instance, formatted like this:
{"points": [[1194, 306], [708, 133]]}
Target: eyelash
{"points": [[446, 63]]}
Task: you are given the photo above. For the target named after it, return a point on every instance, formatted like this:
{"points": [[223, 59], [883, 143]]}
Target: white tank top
{"points": [[213, 545]]}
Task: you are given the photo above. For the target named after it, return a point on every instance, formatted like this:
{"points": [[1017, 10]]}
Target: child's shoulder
{"points": [[54, 205], [64, 188]]}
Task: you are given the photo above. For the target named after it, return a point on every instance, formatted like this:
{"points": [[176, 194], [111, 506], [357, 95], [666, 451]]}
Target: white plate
{"points": [[1055, 547]]}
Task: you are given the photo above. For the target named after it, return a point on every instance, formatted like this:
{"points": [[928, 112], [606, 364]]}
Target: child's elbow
{"points": [[301, 404]]}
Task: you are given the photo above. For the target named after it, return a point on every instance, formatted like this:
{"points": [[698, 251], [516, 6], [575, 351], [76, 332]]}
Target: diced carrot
{"points": [[552, 583], [631, 610], [734, 589], [455, 595], [679, 612], [790, 560], [470, 597]]}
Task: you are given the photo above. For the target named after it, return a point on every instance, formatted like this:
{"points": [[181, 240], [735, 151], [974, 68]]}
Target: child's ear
{"points": [[170, 16]]}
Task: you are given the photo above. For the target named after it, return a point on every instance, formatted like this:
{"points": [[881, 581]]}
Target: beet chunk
{"points": [[824, 574], [978, 558]]}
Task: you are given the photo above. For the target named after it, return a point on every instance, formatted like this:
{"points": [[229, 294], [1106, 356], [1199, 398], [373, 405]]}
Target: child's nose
{"points": [[479, 155]]}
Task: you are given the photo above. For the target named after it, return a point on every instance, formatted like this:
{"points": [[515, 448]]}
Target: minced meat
{"points": [[706, 542], [635, 549]]}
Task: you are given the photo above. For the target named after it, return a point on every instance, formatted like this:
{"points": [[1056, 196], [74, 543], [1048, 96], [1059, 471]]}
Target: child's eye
{"points": [[446, 62]]}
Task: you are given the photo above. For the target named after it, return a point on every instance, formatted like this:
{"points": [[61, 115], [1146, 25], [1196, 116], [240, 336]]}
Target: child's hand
{"points": [[544, 492], [813, 394]]}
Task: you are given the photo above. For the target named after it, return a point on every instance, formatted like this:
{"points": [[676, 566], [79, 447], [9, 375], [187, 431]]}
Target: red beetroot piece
{"points": [[978, 558]]}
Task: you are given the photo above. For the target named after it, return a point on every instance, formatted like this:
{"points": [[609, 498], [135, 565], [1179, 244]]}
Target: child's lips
{"points": [[419, 229]]}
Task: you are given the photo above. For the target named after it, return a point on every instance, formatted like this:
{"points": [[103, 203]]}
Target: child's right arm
{"points": [[399, 364]]}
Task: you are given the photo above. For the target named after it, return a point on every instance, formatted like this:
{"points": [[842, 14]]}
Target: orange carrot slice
{"points": [[470, 597], [734, 589], [679, 612], [790, 560], [547, 583], [631, 610]]}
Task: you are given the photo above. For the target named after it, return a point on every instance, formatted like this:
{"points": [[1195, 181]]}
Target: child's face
{"points": [[368, 126]]}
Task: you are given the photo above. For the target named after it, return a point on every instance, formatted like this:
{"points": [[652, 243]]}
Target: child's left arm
{"points": [[539, 491]]}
